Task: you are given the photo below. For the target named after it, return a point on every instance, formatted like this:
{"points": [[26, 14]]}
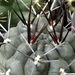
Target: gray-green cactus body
{"points": [[15, 54], [39, 50]]}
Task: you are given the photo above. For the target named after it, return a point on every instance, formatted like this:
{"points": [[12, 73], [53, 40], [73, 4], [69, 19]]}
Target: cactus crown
{"points": [[61, 16]]}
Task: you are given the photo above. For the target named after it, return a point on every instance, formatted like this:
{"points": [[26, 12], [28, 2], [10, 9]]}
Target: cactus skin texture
{"points": [[41, 45]]}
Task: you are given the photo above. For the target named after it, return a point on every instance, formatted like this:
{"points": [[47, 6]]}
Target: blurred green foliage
{"points": [[6, 5]]}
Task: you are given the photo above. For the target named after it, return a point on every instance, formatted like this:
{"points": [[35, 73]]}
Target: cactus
{"points": [[43, 44]]}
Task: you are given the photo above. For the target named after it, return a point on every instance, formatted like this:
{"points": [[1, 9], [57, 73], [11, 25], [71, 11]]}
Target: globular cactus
{"points": [[41, 45]]}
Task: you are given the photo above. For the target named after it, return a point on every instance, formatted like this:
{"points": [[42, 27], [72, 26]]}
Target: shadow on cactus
{"points": [[40, 45]]}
